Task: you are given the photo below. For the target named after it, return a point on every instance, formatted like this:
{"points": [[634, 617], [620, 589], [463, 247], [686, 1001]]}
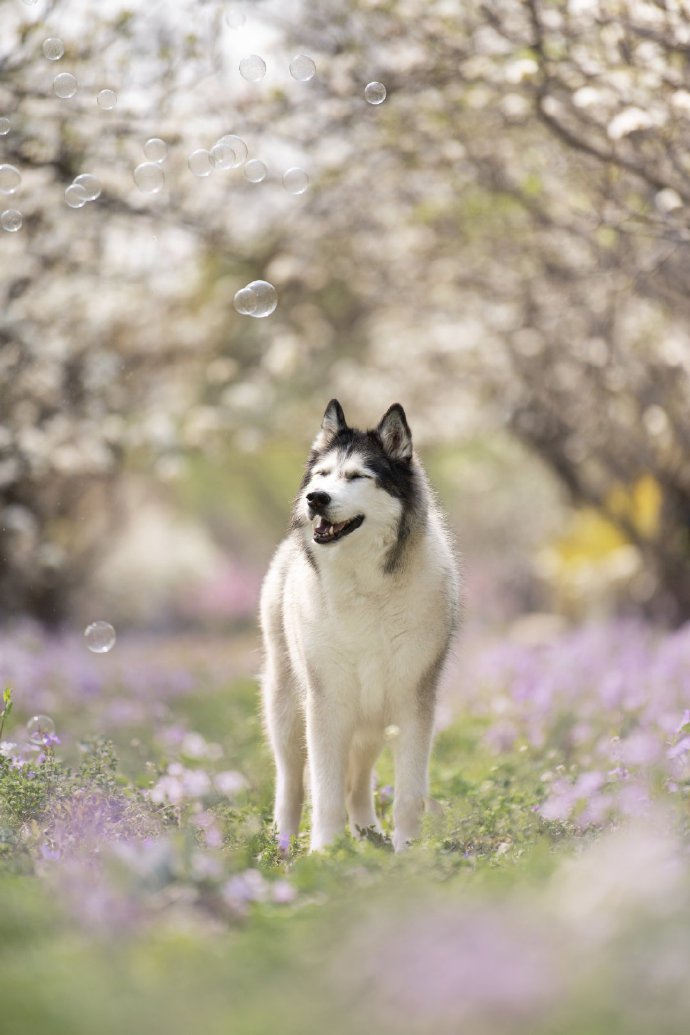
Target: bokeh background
{"points": [[501, 245]]}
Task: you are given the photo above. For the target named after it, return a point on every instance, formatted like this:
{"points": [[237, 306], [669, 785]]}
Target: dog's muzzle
{"points": [[317, 502]]}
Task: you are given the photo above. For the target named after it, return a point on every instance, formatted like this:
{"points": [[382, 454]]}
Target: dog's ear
{"points": [[395, 434], [333, 422]]}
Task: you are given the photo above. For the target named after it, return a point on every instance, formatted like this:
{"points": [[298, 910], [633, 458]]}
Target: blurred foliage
{"points": [[501, 245]]}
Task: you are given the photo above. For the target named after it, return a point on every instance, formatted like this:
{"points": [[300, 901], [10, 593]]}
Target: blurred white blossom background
{"points": [[499, 244]]}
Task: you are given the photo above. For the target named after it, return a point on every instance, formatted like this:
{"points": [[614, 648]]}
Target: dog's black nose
{"points": [[317, 500]]}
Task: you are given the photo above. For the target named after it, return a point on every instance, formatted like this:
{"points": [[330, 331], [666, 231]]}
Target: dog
{"points": [[358, 610]]}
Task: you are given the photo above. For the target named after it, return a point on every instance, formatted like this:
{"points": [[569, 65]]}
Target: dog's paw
{"points": [[374, 835]]}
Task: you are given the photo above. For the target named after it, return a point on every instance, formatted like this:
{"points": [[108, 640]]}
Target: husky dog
{"points": [[357, 611]]}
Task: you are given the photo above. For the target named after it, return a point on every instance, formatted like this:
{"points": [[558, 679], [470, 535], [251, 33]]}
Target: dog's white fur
{"points": [[351, 650]]}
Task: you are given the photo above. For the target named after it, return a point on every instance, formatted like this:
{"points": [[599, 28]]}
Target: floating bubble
{"points": [[256, 299], [4, 126], [391, 732], [75, 196], [64, 85], [40, 728], [295, 181], [106, 99], [200, 162], [53, 48], [90, 184], [245, 301], [302, 68], [230, 152], [375, 93], [10, 179], [11, 220], [235, 17], [100, 637], [30, 3], [149, 177], [156, 150], [252, 68], [255, 171]]}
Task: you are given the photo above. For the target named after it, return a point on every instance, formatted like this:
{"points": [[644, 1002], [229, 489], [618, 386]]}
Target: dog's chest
{"points": [[373, 643]]}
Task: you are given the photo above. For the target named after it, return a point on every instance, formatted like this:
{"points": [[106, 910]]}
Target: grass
{"points": [[123, 913]]}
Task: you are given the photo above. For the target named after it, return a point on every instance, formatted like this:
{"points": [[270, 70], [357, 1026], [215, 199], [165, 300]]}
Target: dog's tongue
{"points": [[322, 526]]}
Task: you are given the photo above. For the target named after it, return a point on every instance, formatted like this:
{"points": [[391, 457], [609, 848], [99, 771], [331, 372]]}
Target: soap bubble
{"points": [[106, 99], [245, 301], [10, 179], [391, 732], [4, 126], [302, 68], [100, 637], [90, 184], [40, 728], [252, 68], [256, 299], [235, 17], [230, 152], [64, 85], [200, 162], [375, 93], [53, 48], [75, 196], [255, 171], [149, 177], [295, 181], [156, 150], [11, 220]]}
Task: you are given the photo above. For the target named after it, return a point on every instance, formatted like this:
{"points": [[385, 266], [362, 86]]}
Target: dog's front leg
{"points": [[328, 741], [411, 751]]}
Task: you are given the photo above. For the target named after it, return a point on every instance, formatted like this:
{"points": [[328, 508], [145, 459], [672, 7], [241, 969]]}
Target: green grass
{"points": [[184, 961]]}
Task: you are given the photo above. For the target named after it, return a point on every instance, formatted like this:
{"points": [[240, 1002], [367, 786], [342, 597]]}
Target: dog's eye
{"points": [[353, 474]]}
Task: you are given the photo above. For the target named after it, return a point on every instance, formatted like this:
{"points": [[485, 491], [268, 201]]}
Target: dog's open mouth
{"points": [[325, 532]]}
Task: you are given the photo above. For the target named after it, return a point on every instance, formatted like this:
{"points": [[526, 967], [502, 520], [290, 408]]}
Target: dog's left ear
{"points": [[333, 422], [395, 433]]}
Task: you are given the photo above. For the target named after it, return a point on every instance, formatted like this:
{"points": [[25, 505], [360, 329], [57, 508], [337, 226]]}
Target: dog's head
{"points": [[358, 485]]}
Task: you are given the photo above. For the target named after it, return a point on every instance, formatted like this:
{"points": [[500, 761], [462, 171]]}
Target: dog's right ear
{"points": [[332, 423]]}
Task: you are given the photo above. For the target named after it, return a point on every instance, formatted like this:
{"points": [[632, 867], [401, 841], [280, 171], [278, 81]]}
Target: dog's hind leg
{"points": [[284, 720], [360, 791]]}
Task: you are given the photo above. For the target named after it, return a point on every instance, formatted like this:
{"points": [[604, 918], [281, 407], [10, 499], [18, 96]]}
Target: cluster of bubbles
{"points": [[10, 180], [85, 187], [149, 176], [100, 637], [253, 68], [259, 298], [229, 152]]}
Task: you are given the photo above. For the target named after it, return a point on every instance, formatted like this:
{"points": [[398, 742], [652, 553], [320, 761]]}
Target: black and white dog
{"points": [[357, 610]]}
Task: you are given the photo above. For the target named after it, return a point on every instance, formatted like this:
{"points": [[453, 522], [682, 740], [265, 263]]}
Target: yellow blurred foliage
{"points": [[594, 555]]}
